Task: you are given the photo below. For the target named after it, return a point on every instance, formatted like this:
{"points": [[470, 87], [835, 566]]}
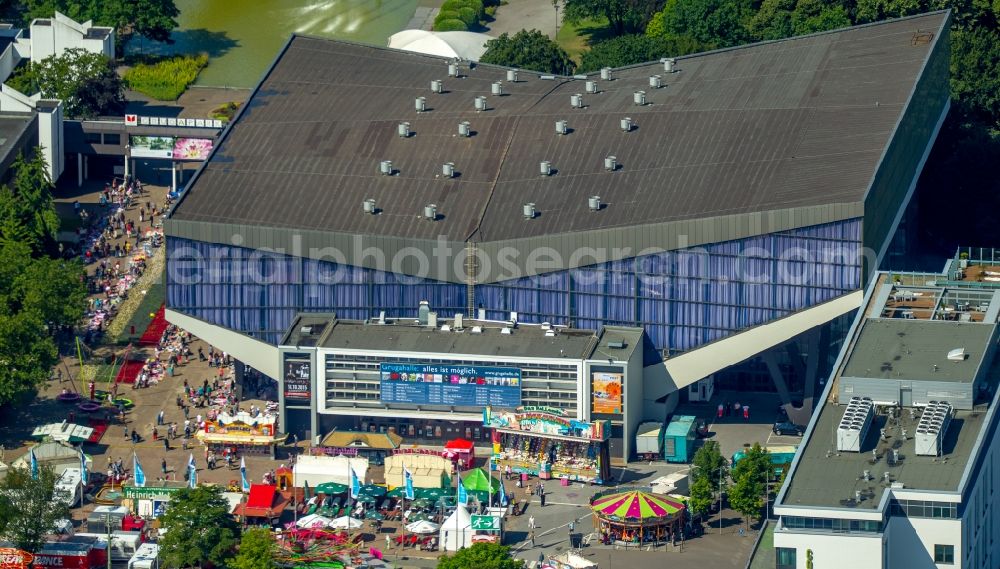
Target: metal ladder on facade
{"points": [[471, 270]]}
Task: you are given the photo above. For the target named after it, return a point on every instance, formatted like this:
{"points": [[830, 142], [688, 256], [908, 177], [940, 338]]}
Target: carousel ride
{"points": [[636, 516]]}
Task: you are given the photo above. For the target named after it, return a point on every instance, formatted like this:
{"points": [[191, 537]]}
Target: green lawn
{"points": [[140, 319], [576, 38], [763, 558]]}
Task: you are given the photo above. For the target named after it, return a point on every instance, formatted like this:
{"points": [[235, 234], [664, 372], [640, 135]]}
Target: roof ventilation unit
{"points": [[561, 127], [627, 124], [606, 74], [424, 312], [506, 331], [456, 323], [591, 87], [431, 211], [655, 82], [545, 168], [668, 64], [385, 167], [476, 330], [403, 130], [594, 203], [932, 428], [448, 169], [369, 206], [550, 333], [854, 424], [464, 129], [452, 70], [512, 75], [576, 101], [956, 355], [529, 211], [420, 103], [639, 97], [497, 89], [437, 86], [610, 163], [480, 103]]}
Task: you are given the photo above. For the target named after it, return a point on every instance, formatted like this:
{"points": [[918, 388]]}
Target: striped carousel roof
{"points": [[635, 505]]}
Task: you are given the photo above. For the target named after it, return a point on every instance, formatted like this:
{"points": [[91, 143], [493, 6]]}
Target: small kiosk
{"points": [[241, 434], [544, 442], [462, 452]]}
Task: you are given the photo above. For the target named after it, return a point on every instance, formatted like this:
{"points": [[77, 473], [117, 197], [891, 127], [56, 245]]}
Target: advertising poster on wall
{"points": [[192, 148], [151, 146], [297, 379], [607, 389]]}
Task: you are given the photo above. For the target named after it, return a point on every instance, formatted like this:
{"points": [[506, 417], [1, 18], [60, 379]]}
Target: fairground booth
{"points": [[374, 447], [315, 470], [263, 504], [242, 434], [635, 516], [544, 442], [462, 452], [428, 468]]}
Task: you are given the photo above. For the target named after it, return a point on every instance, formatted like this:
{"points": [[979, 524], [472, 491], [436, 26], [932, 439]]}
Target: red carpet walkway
{"points": [[154, 331], [129, 371]]}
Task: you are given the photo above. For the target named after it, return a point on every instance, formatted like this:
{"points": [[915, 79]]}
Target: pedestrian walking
{"points": [[746, 413], [159, 417], [531, 537], [156, 434], [163, 466], [166, 443], [125, 427], [531, 522], [542, 499]]}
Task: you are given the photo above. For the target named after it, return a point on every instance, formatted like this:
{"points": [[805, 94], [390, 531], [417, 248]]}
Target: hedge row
{"points": [[459, 15]]}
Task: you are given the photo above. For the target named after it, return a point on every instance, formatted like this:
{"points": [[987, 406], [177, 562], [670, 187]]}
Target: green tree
{"points": [[746, 495], [631, 49], [875, 10], [756, 462], [71, 77], [702, 496], [623, 16], [152, 19], [712, 23], [481, 556], [256, 551], [777, 19], [199, 528], [709, 463], [27, 211], [975, 73], [528, 50], [29, 508]]}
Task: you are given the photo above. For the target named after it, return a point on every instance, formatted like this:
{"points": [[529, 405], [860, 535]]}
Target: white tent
{"points": [[314, 521], [456, 532], [464, 45], [317, 470], [423, 527], [346, 522]]}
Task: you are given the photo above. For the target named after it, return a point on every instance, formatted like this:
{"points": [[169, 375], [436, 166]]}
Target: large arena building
{"points": [[726, 203]]}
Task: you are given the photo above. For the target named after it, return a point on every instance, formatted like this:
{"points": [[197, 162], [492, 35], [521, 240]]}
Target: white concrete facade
{"points": [[53, 36]]}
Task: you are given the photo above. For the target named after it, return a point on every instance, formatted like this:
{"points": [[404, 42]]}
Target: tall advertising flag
{"points": [[139, 473], [463, 495], [34, 463], [355, 485], [408, 483], [243, 475], [84, 474], [192, 472]]}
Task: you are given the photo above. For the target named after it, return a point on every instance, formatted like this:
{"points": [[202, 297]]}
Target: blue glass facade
{"points": [[682, 298]]}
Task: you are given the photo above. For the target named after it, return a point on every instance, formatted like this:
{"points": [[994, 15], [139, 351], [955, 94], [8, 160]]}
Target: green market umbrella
{"points": [[372, 490], [432, 494], [365, 499], [373, 515], [421, 503], [330, 488], [398, 492]]}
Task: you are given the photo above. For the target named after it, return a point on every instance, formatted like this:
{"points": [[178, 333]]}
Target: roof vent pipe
{"points": [[529, 211], [591, 87], [431, 211], [464, 129], [452, 70], [497, 89], [639, 97], [669, 64], [420, 103], [605, 74], [576, 101], [545, 167], [627, 124], [594, 203], [369, 206], [561, 127], [437, 86], [403, 130], [448, 169], [610, 163], [480, 103], [655, 81], [385, 167], [512, 75], [423, 312]]}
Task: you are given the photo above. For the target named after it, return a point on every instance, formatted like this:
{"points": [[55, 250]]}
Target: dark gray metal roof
{"points": [[910, 349], [788, 124]]}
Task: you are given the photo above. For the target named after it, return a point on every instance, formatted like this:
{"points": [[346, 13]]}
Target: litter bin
{"points": [[564, 481]]}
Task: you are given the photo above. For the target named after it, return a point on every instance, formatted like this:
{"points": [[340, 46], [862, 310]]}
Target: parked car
{"points": [[788, 428]]}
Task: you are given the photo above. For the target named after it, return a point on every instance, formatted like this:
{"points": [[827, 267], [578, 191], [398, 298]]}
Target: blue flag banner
{"points": [[34, 463], [408, 484], [503, 495], [192, 472], [138, 473], [463, 495], [355, 485], [243, 475], [84, 474]]}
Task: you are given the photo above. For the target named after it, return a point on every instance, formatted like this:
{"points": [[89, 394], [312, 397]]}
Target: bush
{"points": [[450, 25], [469, 16], [167, 79], [227, 111]]}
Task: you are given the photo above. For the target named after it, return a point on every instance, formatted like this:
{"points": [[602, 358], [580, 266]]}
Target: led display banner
{"points": [[442, 384], [607, 389]]}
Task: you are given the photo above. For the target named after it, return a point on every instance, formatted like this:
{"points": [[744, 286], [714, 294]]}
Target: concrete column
{"points": [[86, 167], [779, 380], [79, 169], [127, 160], [173, 177]]}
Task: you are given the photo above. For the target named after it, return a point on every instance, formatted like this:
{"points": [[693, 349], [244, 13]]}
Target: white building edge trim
{"points": [[255, 353]]}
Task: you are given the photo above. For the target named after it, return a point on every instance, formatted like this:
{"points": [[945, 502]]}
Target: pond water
{"points": [[244, 37]]}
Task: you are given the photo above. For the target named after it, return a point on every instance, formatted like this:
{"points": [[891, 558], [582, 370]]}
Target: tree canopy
{"points": [[28, 507], [481, 556], [152, 19], [631, 49], [256, 550], [528, 50], [199, 528], [709, 463], [623, 16], [86, 82]]}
